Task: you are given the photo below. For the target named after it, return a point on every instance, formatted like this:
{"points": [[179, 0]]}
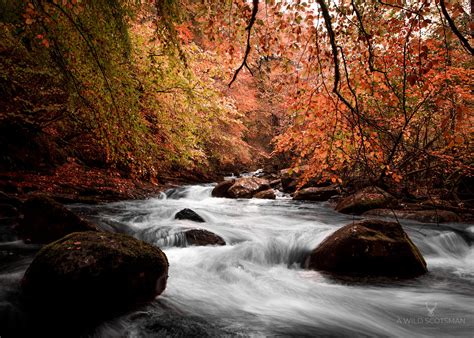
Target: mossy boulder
{"points": [[46, 220], [368, 248], [365, 199], [95, 274]]}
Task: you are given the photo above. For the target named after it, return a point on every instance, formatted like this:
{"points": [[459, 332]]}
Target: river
{"points": [[255, 286]]}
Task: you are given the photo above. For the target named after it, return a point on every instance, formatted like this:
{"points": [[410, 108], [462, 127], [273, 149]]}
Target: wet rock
{"points": [[316, 193], [426, 216], [45, 221], [95, 275], [289, 180], [275, 183], [268, 194], [247, 187], [221, 190], [368, 248], [365, 199], [203, 237], [189, 215]]}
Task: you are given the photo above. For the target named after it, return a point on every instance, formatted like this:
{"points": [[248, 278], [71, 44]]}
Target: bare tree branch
{"points": [[332, 40], [455, 30], [247, 49]]}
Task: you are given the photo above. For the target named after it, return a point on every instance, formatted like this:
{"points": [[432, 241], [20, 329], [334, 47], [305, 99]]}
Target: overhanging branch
{"points": [[455, 30], [247, 49]]}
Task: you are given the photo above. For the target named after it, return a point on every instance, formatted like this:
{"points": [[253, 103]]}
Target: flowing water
{"points": [[255, 286]]}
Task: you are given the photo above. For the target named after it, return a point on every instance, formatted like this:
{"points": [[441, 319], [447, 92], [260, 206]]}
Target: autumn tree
{"points": [[374, 89]]}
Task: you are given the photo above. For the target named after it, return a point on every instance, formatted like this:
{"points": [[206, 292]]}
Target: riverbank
{"points": [[75, 183]]}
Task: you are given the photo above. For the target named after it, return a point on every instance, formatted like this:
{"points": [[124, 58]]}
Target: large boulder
{"points": [[317, 194], [247, 187], [268, 194], [365, 199], [426, 216], [189, 215], [368, 248], [46, 220], [95, 275], [221, 189], [202, 237]]}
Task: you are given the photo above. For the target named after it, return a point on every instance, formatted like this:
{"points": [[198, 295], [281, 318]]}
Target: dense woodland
{"points": [[357, 114], [375, 91]]}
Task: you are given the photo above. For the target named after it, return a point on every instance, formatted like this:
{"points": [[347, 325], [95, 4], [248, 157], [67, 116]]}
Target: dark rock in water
{"points": [[427, 216], [247, 187], [94, 275], [268, 194], [221, 190], [203, 237], [289, 180], [190, 215], [317, 194], [368, 248], [365, 199], [46, 220]]}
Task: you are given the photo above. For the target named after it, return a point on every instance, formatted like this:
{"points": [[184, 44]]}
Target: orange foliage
{"points": [[403, 103]]}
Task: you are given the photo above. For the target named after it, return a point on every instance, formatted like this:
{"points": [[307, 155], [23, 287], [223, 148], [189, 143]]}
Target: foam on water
{"points": [[255, 284]]}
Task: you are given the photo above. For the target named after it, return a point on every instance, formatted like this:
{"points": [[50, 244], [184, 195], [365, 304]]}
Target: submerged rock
{"points": [[189, 215], [247, 187], [95, 274], [317, 194], [368, 248], [365, 199], [46, 220], [203, 237], [221, 189], [268, 194]]}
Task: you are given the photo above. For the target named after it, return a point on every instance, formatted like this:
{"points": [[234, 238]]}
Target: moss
{"points": [[371, 248], [96, 272]]}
